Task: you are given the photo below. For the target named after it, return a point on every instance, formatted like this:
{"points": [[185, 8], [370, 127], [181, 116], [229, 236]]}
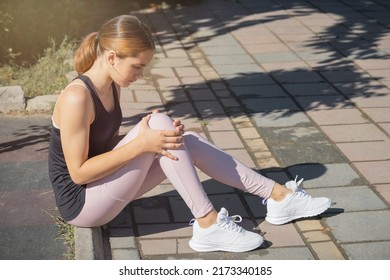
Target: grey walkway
{"points": [[289, 88]]}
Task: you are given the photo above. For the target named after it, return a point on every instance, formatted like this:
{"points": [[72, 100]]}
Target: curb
{"points": [[88, 243]]}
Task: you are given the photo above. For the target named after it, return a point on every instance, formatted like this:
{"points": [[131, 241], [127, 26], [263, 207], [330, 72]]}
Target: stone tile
{"points": [[233, 69], [384, 191], [266, 48], [379, 100], [201, 94], [299, 145], [386, 127], [122, 242], [219, 139], [297, 77], [151, 210], [366, 151], [309, 225], [281, 236], [326, 175], [354, 133], [368, 250], [376, 172], [335, 76], [221, 123], [209, 108], [259, 91], [243, 156], [283, 118], [125, 254], [307, 89], [285, 66], [348, 199], [248, 79], [289, 253], [378, 114], [360, 226], [158, 247], [270, 104], [229, 59], [327, 251], [312, 103], [147, 96], [316, 236], [276, 57], [337, 116], [171, 230]]}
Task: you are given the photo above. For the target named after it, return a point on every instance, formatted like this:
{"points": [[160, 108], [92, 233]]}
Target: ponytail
{"points": [[87, 53], [125, 34]]}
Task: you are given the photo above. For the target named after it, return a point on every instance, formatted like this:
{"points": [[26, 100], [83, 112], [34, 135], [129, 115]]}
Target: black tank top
{"points": [[70, 197]]}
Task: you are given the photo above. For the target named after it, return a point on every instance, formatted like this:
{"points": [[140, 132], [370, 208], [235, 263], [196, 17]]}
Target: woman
{"points": [[93, 182]]}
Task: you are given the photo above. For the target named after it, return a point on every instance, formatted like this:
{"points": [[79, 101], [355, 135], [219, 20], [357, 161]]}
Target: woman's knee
{"points": [[161, 121]]}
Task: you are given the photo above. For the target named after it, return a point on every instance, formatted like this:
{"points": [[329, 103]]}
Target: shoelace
{"points": [[227, 222], [230, 223], [292, 185]]}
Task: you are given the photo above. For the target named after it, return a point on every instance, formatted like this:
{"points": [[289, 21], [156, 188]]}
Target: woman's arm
{"points": [[76, 114]]}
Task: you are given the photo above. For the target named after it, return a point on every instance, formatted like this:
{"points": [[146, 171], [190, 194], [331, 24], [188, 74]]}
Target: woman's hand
{"points": [[159, 141]]}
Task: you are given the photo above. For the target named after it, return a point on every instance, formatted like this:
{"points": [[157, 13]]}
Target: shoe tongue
{"points": [[223, 213]]}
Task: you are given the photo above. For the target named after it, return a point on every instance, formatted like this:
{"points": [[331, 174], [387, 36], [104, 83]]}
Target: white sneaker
{"points": [[225, 235], [295, 205]]}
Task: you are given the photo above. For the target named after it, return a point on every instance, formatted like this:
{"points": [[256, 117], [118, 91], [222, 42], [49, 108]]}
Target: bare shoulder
{"points": [[74, 100]]}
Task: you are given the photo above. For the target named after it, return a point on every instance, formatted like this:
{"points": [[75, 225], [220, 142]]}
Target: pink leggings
{"points": [[105, 198]]}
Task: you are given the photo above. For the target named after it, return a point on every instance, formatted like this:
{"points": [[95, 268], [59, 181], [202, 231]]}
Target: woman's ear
{"points": [[111, 57]]}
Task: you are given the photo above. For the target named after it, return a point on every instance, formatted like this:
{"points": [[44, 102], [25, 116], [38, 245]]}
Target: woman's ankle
{"points": [[208, 220], [279, 192]]}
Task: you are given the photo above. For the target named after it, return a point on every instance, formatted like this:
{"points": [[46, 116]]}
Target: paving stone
{"points": [[307, 89], [378, 114], [276, 57], [157, 247], [316, 236], [384, 191], [282, 118], [281, 236], [291, 253], [372, 101], [327, 251], [312, 103], [326, 175], [259, 91], [171, 230], [338, 116], [368, 250], [348, 199], [380, 175], [151, 210], [248, 79], [219, 139], [125, 254], [270, 104], [297, 77], [201, 94], [309, 225], [230, 59], [366, 151], [347, 227], [354, 133], [294, 145]]}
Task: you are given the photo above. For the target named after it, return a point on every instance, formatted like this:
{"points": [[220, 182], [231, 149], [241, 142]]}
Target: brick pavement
{"points": [[288, 87]]}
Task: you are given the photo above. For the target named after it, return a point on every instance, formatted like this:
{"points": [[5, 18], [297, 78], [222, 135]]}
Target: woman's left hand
{"points": [[179, 126]]}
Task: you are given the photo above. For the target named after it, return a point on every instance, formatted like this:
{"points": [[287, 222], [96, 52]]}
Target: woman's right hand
{"points": [[159, 141]]}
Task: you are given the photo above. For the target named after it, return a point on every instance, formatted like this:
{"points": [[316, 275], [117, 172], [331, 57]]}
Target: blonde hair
{"points": [[126, 35]]}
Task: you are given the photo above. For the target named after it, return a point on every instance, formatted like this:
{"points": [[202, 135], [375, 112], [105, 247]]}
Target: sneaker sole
{"points": [[199, 247], [286, 219]]}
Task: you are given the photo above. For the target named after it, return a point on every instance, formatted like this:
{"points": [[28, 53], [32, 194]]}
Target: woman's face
{"points": [[128, 70]]}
